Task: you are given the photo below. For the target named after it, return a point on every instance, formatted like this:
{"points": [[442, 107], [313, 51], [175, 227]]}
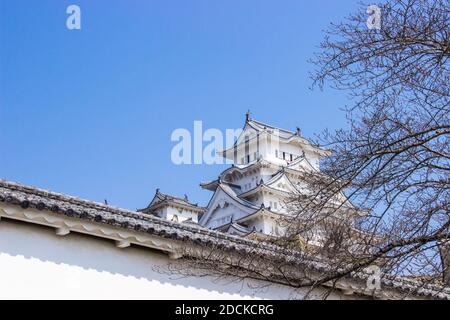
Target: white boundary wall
{"points": [[37, 264]]}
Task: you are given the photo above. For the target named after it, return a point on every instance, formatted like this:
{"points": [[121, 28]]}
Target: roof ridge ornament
{"points": [[298, 131], [248, 116]]}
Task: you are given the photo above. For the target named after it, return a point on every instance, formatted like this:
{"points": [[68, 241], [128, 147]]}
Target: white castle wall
{"points": [[223, 215], [35, 263], [170, 212]]}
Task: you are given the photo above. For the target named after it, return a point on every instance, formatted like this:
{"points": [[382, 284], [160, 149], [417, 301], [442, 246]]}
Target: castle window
{"points": [[284, 155], [248, 158], [291, 157]]}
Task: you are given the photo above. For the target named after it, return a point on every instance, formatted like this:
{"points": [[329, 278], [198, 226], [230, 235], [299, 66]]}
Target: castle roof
{"points": [[163, 200], [284, 135]]}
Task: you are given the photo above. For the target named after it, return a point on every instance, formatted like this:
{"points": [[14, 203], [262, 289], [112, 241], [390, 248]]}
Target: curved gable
{"points": [[224, 202]]}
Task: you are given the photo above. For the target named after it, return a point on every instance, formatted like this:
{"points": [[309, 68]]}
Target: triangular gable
{"points": [[281, 182], [253, 128], [261, 213], [282, 133], [301, 163], [249, 131], [222, 195]]}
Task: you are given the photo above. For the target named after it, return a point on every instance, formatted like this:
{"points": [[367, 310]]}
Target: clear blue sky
{"points": [[90, 112]]}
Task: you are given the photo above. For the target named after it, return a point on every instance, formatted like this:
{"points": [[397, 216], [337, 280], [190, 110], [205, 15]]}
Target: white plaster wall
{"points": [[248, 182], [264, 225], [162, 213], [222, 216], [37, 264], [296, 151], [266, 149], [268, 198], [270, 226], [252, 148], [258, 224], [182, 215], [169, 212], [291, 149]]}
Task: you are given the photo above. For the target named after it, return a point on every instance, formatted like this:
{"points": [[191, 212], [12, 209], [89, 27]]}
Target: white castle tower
{"points": [[251, 195]]}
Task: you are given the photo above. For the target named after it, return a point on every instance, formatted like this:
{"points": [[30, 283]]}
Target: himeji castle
{"points": [[251, 195]]}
